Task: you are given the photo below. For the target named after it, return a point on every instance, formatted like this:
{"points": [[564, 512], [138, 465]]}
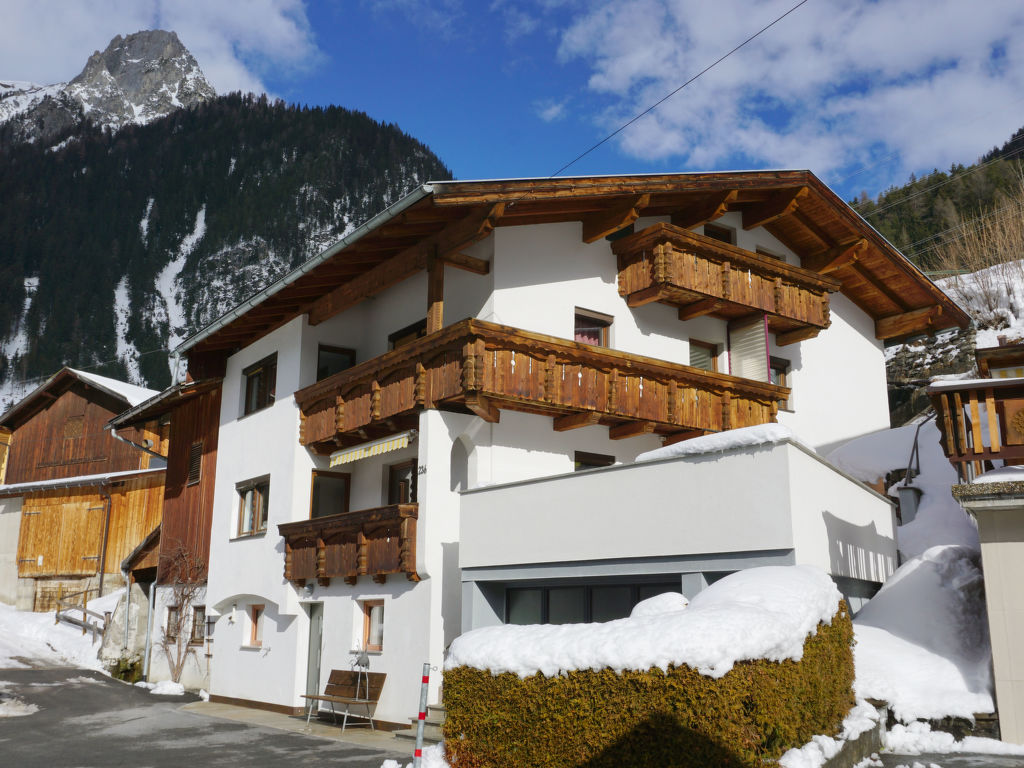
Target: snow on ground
{"points": [[433, 757], [759, 613], [862, 718], [1011, 474], [163, 688], [922, 641], [994, 296], [127, 352], [918, 738], [722, 441], [27, 638], [940, 520]]}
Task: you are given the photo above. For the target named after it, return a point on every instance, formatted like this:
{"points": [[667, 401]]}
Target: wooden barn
{"points": [[84, 495]]}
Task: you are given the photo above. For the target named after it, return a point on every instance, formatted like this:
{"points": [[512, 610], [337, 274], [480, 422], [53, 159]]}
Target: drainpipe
{"points": [[133, 444], [105, 491], [149, 629], [127, 606]]}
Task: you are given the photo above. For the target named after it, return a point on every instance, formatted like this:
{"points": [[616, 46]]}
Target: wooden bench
{"points": [[351, 688]]}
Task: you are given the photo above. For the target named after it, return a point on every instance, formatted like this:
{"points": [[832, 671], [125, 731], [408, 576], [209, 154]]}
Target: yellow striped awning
{"points": [[373, 448]]}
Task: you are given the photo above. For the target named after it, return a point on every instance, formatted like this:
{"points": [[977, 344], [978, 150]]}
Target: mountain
{"points": [[137, 79], [117, 243]]}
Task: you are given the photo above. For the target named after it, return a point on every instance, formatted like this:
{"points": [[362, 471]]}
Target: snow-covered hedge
{"points": [[759, 662]]}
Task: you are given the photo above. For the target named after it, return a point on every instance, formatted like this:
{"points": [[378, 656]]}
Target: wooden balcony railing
{"points": [[980, 420], [483, 367], [371, 542], [702, 276]]}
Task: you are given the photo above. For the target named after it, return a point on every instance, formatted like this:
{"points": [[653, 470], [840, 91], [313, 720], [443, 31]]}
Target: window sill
{"points": [[245, 536], [250, 647], [356, 652]]}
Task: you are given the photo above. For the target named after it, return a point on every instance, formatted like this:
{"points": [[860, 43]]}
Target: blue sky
{"points": [[862, 93]]}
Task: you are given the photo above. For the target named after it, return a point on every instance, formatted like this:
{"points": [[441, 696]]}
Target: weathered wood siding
{"points": [[62, 530], [67, 438], [188, 509]]}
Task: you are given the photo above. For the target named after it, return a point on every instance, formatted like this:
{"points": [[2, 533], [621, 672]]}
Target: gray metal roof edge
{"points": [[283, 282]]}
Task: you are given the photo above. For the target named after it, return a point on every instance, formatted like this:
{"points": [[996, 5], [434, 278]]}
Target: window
{"points": [[173, 622], [253, 497], [373, 625], [256, 625], [591, 328], [332, 360], [577, 604], [73, 427], [198, 624], [769, 254], [703, 355], [329, 495], [584, 460], [724, 234], [407, 335], [402, 483], [195, 462], [779, 374], [260, 384]]}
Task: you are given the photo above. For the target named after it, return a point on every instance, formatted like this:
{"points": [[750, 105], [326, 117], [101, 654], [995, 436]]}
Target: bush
{"points": [[651, 719]]}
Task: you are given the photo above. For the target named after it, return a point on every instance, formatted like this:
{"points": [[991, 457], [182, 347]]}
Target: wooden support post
{"points": [[435, 295], [420, 393], [699, 308], [631, 429], [363, 556], [483, 408], [993, 422], [678, 437], [961, 428], [288, 560], [374, 400], [797, 334], [339, 414], [321, 562], [613, 390], [947, 422], [549, 380], [975, 422], [726, 411]]}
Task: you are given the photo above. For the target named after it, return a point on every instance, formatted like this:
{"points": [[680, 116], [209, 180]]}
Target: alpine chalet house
{"points": [[402, 418], [74, 500]]}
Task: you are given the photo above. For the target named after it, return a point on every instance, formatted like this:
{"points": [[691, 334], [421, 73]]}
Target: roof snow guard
{"points": [[440, 219]]}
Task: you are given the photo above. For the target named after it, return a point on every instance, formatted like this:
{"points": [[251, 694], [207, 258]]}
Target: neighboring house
{"points": [[982, 426], [402, 417], [74, 501], [179, 551]]}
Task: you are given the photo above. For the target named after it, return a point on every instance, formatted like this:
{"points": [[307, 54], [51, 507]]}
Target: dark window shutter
{"points": [[195, 462]]}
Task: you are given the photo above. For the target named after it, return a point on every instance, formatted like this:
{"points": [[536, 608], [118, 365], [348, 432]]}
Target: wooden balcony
{"points": [[980, 420], [702, 276], [371, 542], [479, 367]]}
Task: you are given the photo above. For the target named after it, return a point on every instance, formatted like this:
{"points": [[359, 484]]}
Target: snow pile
{"points": [[760, 613], [433, 757], [1009, 474], [27, 638], [917, 738], [922, 641], [940, 520], [862, 718], [163, 688], [11, 705], [717, 442], [666, 602]]}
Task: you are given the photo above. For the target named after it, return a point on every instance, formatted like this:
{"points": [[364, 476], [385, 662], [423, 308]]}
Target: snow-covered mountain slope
{"points": [[137, 79]]}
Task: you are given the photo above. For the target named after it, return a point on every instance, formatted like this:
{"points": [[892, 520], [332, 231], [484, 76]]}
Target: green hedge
{"points": [[651, 719]]}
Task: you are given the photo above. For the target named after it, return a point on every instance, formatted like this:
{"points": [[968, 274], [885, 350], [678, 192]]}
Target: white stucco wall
{"points": [[195, 673], [837, 379], [10, 529]]}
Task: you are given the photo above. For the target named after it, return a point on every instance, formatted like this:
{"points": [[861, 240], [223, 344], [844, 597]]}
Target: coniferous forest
{"points": [[253, 186]]}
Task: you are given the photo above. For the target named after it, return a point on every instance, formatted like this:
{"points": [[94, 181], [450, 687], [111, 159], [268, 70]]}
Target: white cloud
{"points": [[550, 111], [828, 88], [49, 41]]}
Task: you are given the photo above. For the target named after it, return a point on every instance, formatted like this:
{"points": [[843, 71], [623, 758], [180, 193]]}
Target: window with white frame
{"points": [[255, 638], [373, 625], [253, 498]]}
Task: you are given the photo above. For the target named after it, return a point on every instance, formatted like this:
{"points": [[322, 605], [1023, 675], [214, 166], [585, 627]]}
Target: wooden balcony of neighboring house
{"points": [[374, 542], [980, 420], [479, 367], [703, 276]]}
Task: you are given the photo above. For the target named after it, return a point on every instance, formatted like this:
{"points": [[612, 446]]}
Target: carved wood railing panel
{"points": [[980, 420], [372, 542], [677, 267], [524, 371]]}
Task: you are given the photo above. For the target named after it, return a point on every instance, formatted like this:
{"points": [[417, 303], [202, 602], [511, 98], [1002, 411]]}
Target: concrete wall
{"points": [[10, 528]]}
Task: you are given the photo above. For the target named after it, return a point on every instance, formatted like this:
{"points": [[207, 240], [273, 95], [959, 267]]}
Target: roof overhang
{"points": [[163, 403]]}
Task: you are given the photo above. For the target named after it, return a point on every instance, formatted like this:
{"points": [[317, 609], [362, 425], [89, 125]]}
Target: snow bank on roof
{"points": [[130, 392], [1002, 475], [759, 613], [722, 441], [62, 482], [922, 641], [940, 520]]}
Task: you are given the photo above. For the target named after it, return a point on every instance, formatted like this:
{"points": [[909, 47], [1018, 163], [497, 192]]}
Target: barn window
{"points": [[195, 462]]}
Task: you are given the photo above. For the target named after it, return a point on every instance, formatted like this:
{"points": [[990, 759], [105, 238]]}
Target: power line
{"points": [[668, 96]]}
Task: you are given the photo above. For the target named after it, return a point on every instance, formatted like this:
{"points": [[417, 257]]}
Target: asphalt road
{"points": [[87, 720]]}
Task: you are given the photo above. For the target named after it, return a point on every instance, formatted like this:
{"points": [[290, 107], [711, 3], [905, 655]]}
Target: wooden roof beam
{"points": [[812, 226], [715, 205], [678, 437], [466, 262], [699, 308], [575, 421], [797, 334], [834, 259], [484, 408], [454, 237], [621, 215], [631, 429], [880, 285], [907, 322], [780, 204]]}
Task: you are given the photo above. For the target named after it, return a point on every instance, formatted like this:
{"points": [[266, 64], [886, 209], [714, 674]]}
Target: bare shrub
{"points": [[186, 573], [989, 247]]}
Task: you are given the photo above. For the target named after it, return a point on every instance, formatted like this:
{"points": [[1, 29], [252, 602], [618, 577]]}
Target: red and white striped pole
{"points": [[417, 756]]}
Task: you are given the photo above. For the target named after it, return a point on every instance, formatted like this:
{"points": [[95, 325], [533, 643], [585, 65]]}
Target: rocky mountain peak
{"points": [[136, 79]]}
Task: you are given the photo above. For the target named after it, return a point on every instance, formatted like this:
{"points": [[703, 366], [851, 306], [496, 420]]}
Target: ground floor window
{"points": [[576, 604], [198, 624], [173, 621], [373, 625], [256, 625]]}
